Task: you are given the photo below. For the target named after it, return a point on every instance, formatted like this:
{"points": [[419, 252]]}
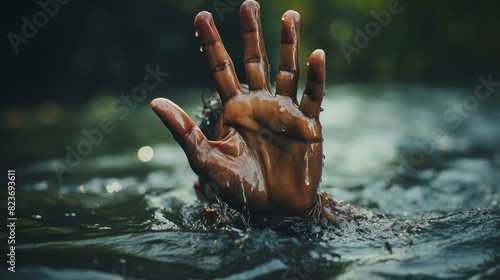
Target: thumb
{"points": [[185, 132]]}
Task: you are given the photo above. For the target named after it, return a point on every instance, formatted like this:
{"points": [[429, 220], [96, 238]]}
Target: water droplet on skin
{"points": [[245, 212], [196, 34], [307, 165], [201, 49]]}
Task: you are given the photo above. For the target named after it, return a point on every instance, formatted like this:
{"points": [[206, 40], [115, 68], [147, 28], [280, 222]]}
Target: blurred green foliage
{"points": [[94, 47]]}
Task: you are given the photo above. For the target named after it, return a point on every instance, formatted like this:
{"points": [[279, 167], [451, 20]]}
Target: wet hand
{"points": [[267, 154]]}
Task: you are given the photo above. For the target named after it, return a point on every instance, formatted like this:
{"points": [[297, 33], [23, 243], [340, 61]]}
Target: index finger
{"points": [[219, 63], [310, 104], [288, 66]]}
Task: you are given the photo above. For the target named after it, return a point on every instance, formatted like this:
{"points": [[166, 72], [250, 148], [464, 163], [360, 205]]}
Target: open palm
{"points": [[267, 154]]}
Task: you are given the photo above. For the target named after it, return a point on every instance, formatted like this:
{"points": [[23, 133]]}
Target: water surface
{"points": [[116, 217]]}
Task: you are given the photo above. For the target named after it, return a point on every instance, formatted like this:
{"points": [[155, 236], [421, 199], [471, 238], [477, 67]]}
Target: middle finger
{"points": [[288, 66]]}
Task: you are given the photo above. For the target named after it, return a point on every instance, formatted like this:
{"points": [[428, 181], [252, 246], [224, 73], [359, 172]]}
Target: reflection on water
{"points": [[128, 210]]}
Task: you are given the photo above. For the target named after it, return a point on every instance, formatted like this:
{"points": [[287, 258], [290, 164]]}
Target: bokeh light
{"points": [[48, 113], [13, 117], [341, 30], [145, 153], [114, 187], [366, 6]]}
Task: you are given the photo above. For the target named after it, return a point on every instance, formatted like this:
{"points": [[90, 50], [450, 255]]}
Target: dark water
{"points": [[115, 217]]}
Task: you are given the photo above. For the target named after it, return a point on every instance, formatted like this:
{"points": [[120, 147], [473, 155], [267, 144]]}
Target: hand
{"points": [[268, 157]]}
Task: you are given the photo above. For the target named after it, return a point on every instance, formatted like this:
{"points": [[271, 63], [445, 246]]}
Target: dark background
{"points": [[389, 99], [101, 47]]}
